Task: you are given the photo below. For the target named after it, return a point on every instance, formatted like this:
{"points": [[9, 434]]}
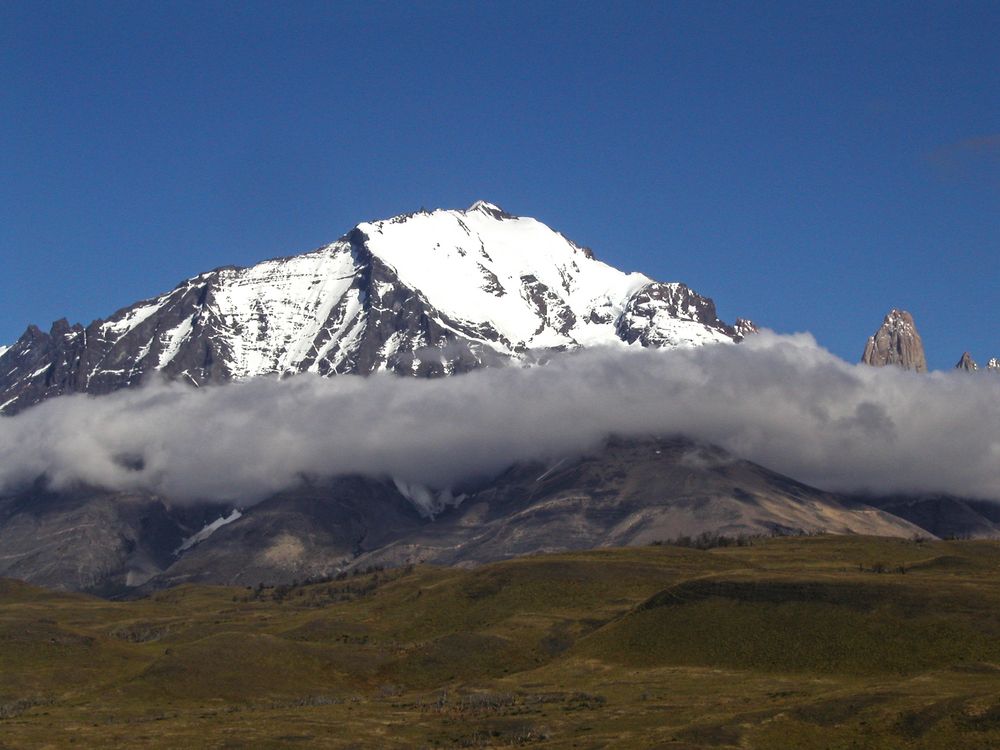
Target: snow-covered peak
{"points": [[490, 209], [483, 205], [531, 284], [427, 293]]}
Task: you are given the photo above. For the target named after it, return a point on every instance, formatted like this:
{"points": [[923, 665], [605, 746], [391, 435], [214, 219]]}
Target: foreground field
{"points": [[824, 642]]}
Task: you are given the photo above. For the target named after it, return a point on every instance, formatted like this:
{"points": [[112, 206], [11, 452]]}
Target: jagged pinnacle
{"points": [[896, 342]]}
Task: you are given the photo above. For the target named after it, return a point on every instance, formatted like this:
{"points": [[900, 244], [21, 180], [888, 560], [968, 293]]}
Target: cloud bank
{"points": [[781, 401]]}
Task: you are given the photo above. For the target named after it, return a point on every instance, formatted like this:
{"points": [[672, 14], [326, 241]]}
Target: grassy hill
{"points": [[822, 642]]}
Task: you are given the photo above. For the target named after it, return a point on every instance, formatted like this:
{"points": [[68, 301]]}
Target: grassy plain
{"points": [[822, 642]]}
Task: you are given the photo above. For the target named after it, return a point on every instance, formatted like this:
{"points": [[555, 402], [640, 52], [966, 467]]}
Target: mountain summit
{"points": [[426, 293], [896, 342], [967, 363]]}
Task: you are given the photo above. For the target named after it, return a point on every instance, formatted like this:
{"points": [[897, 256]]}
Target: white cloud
{"points": [[779, 400]]}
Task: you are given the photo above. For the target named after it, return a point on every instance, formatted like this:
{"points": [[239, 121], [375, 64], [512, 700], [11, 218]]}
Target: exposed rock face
{"points": [[424, 294], [312, 530], [993, 365], [896, 342], [92, 539], [967, 363], [660, 315], [632, 492]]}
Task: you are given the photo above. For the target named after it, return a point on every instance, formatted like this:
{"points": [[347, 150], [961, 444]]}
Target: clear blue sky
{"points": [[808, 165]]}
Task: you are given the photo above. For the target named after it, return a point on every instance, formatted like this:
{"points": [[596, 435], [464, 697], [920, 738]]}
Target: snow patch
{"points": [[273, 312], [427, 502], [133, 317], [172, 341], [207, 531]]}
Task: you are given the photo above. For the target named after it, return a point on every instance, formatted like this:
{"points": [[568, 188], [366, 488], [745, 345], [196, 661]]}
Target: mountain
{"points": [[967, 363], [896, 342], [424, 294], [945, 516], [993, 365], [631, 492], [428, 293]]}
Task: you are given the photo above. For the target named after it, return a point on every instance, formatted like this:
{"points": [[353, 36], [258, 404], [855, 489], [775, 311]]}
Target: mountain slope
{"points": [[632, 492], [92, 539], [945, 516], [430, 293]]}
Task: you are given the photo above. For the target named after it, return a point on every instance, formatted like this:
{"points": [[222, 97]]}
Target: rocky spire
{"points": [[967, 363], [896, 342], [993, 365]]}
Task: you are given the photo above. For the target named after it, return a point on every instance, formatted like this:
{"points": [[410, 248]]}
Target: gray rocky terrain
{"points": [[632, 492]]}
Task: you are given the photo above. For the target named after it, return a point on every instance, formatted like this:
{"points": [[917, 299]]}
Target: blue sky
{"points": [[808, 165]]}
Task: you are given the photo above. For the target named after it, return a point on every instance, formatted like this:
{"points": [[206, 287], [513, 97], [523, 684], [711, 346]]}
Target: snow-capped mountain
{"points": [[429, 293]]}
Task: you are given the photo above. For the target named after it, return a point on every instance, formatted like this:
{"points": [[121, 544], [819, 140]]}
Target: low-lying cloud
{"points": [[779, 400]]}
